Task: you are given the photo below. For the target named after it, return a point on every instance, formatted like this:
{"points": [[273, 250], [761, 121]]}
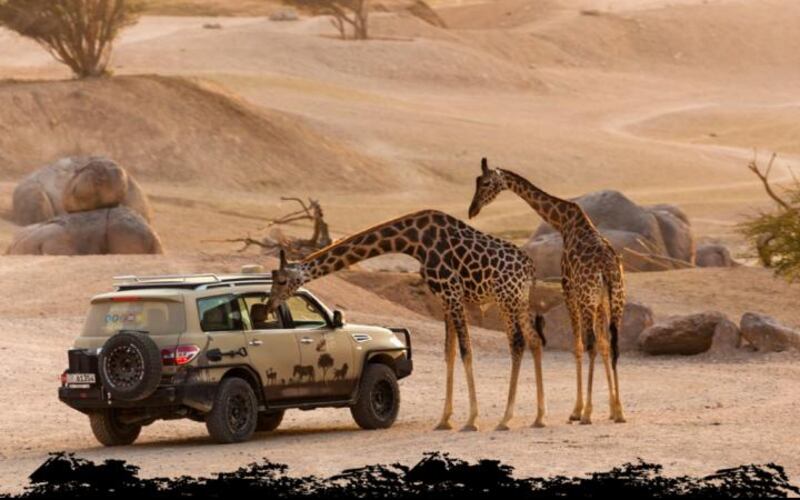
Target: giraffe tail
{"points": [[616, 303], [538, 319]]}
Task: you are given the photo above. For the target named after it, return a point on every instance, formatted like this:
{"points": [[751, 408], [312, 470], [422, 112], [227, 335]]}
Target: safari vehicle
{"points": [[204, 347]]}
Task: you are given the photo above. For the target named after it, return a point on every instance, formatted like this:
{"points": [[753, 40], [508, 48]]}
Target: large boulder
{"points": [[686, 335], [76, 184], [713, 255], [765, 333], [652, 238], [117, 230], [558, 327]]}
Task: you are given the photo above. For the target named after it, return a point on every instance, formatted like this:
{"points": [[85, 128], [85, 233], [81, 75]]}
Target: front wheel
{"points": [[110, 430], [378, 398], [234, 414]]}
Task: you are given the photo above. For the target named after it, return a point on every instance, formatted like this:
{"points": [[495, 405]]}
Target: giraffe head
{"points": [[487, 186], [285, 281]]}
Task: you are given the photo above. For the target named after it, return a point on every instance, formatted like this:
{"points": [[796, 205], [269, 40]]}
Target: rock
{"points": [[727, 337], [658, 237], [636, 319], [118, 230], [765, 333], [558, 327], [76, 184], [713, 255], [545, 250], [686, 335], [676, 233], [284, 15]]}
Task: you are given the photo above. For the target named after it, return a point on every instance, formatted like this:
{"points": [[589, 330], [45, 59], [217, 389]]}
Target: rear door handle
{"points": [[306, 340], [256, 342]]}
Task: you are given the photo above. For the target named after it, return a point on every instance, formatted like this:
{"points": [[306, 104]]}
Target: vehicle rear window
{"points": [[152, 316], [220, 314]]}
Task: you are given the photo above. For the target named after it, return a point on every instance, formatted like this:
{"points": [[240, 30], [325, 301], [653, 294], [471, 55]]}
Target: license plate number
{"points": [[80, 378]]}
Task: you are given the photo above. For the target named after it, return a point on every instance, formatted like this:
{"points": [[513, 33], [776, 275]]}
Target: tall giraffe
{"points": [[459, 264], [590, 271]]}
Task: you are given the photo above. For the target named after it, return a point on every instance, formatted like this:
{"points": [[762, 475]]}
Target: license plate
{"points": [[80, 378]]}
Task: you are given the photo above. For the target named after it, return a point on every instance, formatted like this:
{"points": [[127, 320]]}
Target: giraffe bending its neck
{"points": [[459, 264], [590, 271]]}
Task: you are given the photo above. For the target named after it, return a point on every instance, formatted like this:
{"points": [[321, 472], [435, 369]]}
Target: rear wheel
{"points": [[110, 430], [268, 422], [378, 398], [234, 414]]}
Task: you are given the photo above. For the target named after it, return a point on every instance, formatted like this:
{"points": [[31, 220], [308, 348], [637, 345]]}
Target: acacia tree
{"points": [[776, 234], [78, 33], [345, 14]]}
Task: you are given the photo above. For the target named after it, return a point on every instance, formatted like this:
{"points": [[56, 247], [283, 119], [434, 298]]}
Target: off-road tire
{"points": [[378, 398], [109, 431], [269, 421], [130, 366], [234, 413]]}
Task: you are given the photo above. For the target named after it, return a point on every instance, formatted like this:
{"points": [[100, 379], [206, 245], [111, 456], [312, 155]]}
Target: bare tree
{"points": [[294, 247], [776, 234], [78, 33], [353, 14]]}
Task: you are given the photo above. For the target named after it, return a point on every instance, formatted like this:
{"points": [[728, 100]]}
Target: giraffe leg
{"points": [[586, 417], [450, 358], [588, 321], [516, 341], [578, 352], [465, 348], [620, 415], [541, 410]]}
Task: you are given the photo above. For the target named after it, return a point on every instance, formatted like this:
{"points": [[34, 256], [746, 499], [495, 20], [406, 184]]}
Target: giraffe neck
{"points": [[401, 235], [557, 212]]}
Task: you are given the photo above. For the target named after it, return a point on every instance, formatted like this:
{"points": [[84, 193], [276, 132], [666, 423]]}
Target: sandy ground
{"points": [[661, 99]]}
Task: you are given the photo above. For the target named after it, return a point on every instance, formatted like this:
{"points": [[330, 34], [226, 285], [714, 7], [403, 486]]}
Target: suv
{"points": [[204, 347]]}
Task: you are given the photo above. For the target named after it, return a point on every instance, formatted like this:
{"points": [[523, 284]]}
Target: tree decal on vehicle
{"points": [[325, 362]]}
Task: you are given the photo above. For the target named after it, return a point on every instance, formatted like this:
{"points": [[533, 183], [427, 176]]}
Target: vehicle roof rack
{"points": [[186, 279]]}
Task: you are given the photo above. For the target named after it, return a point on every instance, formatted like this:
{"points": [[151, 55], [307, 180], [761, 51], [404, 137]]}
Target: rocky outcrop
{"points": [[652, 238], [765, 333], [692, 334], [76, 184], [713, 255], [118, 230]]}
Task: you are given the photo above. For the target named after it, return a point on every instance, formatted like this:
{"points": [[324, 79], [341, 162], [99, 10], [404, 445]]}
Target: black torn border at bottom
{"points": [[437, 475]]}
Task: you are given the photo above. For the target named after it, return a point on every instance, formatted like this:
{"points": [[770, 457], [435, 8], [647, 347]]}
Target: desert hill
{"points": [[169, 130]]}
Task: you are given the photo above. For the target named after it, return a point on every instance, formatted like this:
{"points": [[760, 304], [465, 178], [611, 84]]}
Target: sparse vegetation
{"points": [[78, 33], [776, 234], [350, 17]]}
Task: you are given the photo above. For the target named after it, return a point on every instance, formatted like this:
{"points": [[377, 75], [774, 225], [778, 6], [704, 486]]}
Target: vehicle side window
{"points": [[220, 313], [260, 318], [304, 313]]}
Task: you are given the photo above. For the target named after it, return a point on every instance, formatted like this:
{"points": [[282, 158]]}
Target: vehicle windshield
{"points": [[152, 316]]}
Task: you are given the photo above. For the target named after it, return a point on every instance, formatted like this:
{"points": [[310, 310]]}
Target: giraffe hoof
{"points": [[469, 428], [586, 421], [619, 420], [443, 426], [574, 418], [502, 427], [538, 424]]}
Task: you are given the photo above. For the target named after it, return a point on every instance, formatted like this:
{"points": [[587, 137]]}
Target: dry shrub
{"points": [[78, 33]]}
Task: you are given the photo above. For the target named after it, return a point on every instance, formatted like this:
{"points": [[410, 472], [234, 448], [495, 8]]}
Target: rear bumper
{"points": [[198, 396]]}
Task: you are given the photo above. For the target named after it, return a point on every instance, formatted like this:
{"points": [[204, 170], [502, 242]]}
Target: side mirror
{"points": [[338, 319]]}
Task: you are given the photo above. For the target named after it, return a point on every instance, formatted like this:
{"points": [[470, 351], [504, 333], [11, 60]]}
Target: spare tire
{"points": [[130, 366]]}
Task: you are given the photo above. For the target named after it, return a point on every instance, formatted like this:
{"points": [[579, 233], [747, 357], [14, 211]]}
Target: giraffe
{"points": [[460, 265], [590, 271]]}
